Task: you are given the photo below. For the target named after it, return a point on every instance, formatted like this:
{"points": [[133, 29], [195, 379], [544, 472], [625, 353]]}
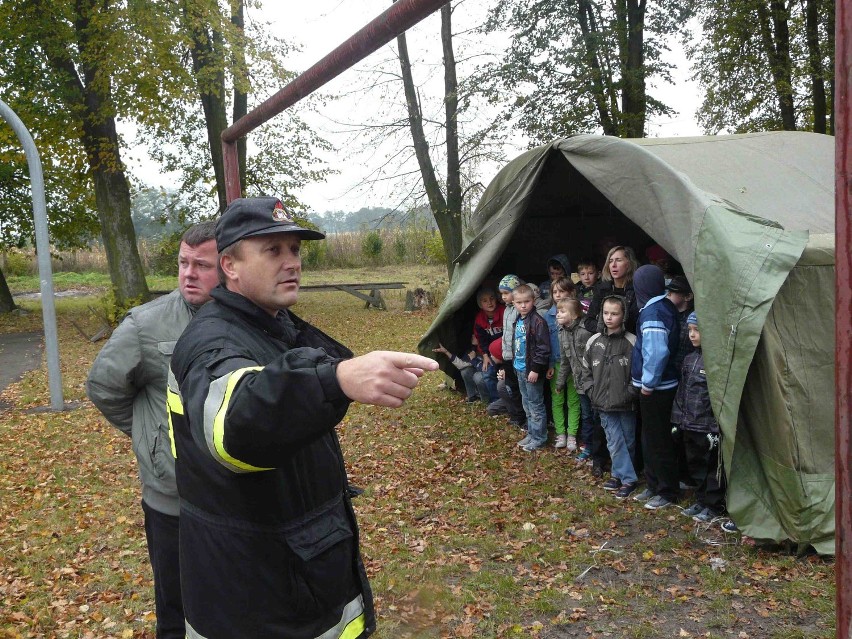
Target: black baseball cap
{"points": [[250, 216], [679, 284]]}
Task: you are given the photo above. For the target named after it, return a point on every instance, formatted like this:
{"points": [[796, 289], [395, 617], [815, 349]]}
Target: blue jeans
{"points": [[474, 384], [620, 428], [532, 395], [489, 376]]}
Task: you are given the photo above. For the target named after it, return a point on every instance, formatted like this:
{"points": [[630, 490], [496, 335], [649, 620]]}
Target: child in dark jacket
{"points": [[693, 415], [531, 347], [606, 378], [589, 282]]}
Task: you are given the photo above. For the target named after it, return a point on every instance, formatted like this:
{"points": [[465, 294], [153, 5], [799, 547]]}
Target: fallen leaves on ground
{"points": [[463, 534]]}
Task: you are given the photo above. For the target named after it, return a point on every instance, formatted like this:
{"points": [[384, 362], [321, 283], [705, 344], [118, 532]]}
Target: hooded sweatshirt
{"points": [[657, 332], [544, 287]]}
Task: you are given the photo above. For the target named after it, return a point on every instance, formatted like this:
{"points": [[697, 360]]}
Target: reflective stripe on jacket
{"points": [[269, 542]]}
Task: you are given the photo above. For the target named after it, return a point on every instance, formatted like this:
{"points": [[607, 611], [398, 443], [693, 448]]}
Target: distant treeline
{"points": [[370, 218], [159, 213]]}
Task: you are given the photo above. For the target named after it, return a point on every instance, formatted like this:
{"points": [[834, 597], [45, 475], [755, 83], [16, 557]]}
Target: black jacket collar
{"points": [[280, 326]]}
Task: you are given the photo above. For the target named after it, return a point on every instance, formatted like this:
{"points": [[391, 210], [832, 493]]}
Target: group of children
{"points": [[620, 354]]}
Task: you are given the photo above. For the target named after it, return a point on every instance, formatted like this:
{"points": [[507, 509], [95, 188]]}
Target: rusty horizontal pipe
{"points": [[401, 16]]}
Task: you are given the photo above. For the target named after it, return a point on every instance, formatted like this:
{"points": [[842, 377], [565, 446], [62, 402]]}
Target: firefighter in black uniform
{"points": [[268, 538]]}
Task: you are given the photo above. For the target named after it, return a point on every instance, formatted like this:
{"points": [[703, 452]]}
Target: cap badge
{"points": [[280, 214]]}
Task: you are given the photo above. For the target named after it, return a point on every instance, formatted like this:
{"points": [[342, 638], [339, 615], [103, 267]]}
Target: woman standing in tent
{"points": [[617, 279]]}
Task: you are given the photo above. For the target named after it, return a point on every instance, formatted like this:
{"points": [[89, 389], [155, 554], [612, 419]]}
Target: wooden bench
{"points": [[374, 298]]}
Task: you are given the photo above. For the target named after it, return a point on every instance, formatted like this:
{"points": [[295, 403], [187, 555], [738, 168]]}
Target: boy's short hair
{"points": [[616, 299], [565, 284], [572, 305], [523, 290], [586, 262], [482, 292]]}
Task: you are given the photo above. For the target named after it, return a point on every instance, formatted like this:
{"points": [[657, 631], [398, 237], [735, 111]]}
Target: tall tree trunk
{"points": [[630, 31], [775, 36], [208, 65], [451, 109], [100, 141], [829, 28], [449, 225], [591, 41], [7, 302], [633, 98], [241, 85], [815, 65]]}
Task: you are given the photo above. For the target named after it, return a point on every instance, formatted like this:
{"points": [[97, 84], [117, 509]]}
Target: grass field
{"points": [[463, 534]]}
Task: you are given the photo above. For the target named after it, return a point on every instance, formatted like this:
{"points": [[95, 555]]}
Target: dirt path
{"points": [[19, 353]]}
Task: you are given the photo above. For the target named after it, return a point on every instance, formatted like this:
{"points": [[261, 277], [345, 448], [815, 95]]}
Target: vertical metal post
{"points": [[45, 273], [843, 316], [403, 15]]}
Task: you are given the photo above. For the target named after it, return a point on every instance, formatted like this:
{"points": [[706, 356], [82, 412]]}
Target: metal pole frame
{"points": [[45, 272], [403, 15], [843, 316]]}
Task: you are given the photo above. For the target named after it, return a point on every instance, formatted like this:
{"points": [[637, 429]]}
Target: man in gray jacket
{"points": [[128, 383]]}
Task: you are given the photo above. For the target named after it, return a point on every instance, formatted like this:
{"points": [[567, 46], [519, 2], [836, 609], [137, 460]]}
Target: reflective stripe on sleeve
{"points": [[215, 409], [174, 404]]}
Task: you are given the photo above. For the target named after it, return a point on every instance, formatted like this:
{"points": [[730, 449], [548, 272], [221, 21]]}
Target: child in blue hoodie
{"points": [[655, 377]]}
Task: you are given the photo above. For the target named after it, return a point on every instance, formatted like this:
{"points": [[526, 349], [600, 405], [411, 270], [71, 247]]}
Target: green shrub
{"points": [[399, 247], [372, 245], [435, 249], [17, 263], [163, 259], [314, 253]]}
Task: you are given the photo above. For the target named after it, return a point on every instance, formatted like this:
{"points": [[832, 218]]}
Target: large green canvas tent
{"points": [[751, 220]]}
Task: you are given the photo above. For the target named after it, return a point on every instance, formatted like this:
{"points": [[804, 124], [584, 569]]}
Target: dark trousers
{"points": [[702, 467], [658, 449], [587, 421], [597, 447], [514, 400], [161, 531]]}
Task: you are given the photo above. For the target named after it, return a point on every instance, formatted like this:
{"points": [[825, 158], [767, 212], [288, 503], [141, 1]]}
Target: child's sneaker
{"points": [[561, 441], [693, 510], [625, 490], [729, 526], [571, 444], [526, 440], [584, 455], [655, 503], [645, 495], [707, 516], [612, 484]]}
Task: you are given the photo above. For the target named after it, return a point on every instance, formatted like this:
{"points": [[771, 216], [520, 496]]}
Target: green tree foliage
{"points": [[765, 65], [579, 66], [227, 67], [70, 70]]}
